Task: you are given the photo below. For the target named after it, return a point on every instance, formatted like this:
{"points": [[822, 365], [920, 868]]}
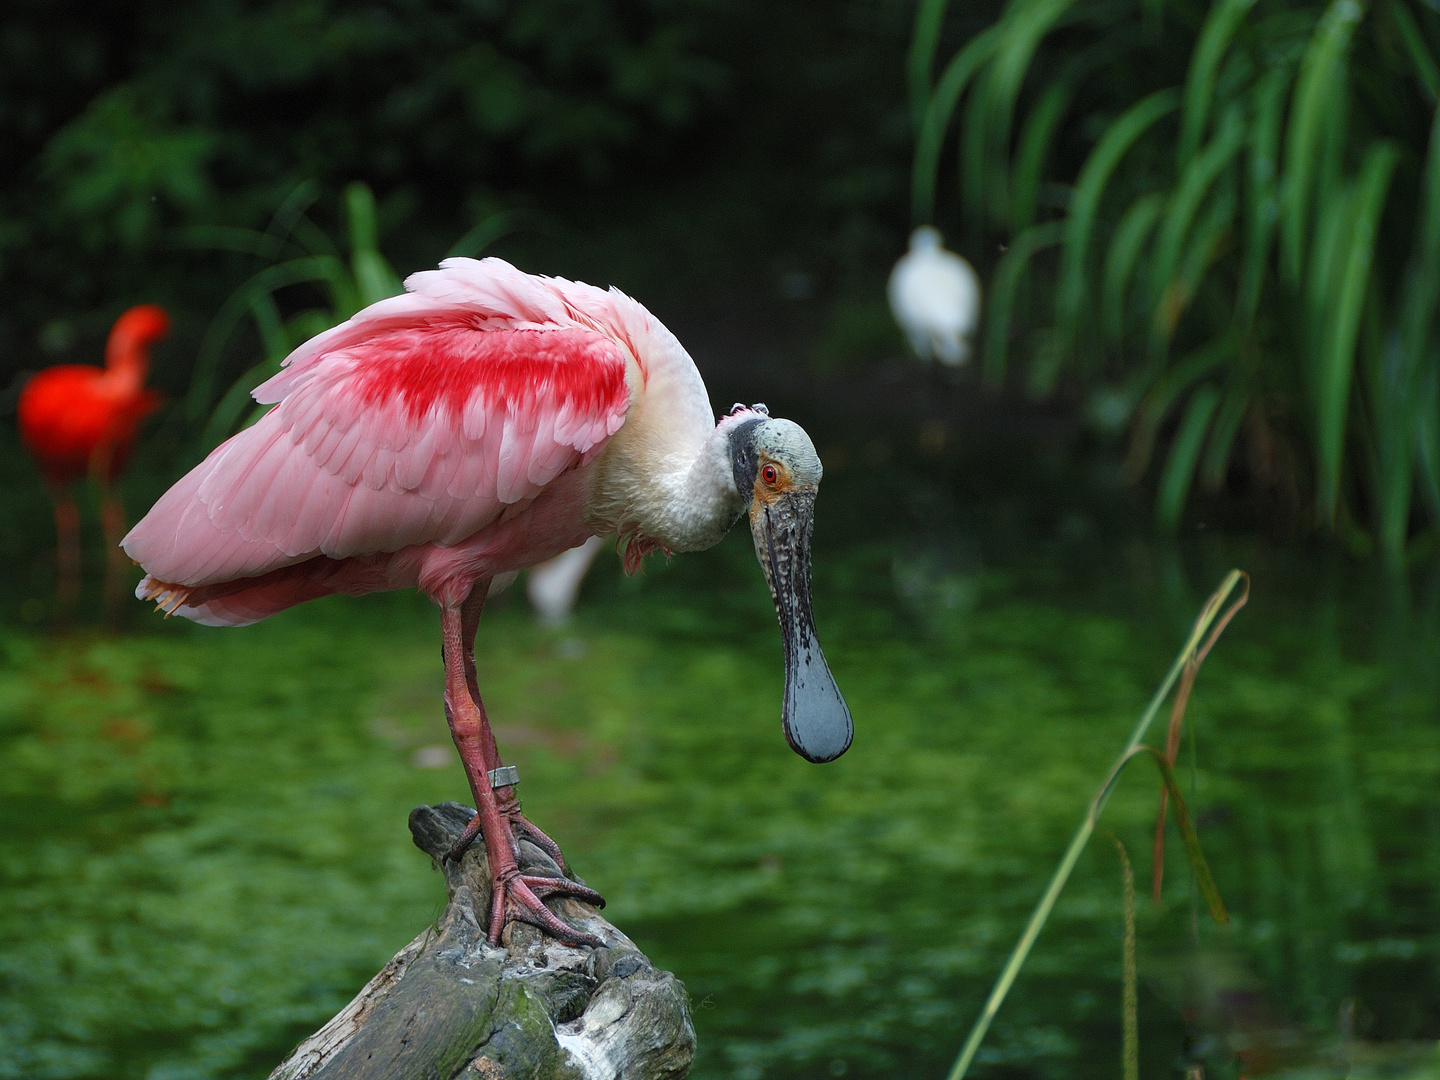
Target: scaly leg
{"points": [[506, 797], [67, 547], [513, 894]]}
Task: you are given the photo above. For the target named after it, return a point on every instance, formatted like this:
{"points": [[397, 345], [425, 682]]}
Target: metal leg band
{"points": [[505, 776]]}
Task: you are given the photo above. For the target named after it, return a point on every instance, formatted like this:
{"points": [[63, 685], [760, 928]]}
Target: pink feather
{"points": [[408, 428]]}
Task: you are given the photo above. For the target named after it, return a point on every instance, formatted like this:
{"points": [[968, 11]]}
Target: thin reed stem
{"points": [[1210, 618], [1130, 999]]}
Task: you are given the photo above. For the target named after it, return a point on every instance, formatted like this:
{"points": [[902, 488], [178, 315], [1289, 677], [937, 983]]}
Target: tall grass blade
{"points": [[1423, 292], [1224, 20], [1190, 193], [1206, 243], [1178, 267], [1322, 281], [1184, 455], [375, 279], [1168, 388], [1337, 361], [1211, 620], [223, 238], [1177, 720], [1392, 435], [1130, 1002], [292, 210], [1263, 204], [486, 231], [1125, 247], [924, 174], [1043, 121], [323, 269], [929, 19], [984, 168], [1319, 90], [1427, 435], [235, 403], [1222, 437], [1035, 139], [313, 239], [1426, 68], [1008, 275], [1396, 381], [1117, 140], [237, 408], [1203, 878]]}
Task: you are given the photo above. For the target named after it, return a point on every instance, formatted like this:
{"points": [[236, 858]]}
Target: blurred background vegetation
{"points": [[695, 152], [1220, 224], [1209, 235]]}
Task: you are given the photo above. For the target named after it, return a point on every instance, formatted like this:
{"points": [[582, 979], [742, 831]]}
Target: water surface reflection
{"points": [[204, 850]]}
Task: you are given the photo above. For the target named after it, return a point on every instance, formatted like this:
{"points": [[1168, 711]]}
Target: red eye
{"points": [[769, 474]]}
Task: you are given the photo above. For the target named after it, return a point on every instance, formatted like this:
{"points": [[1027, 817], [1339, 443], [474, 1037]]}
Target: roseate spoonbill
{"points": [[79, 421], [935, 296], [554, 585], [482, 422]]}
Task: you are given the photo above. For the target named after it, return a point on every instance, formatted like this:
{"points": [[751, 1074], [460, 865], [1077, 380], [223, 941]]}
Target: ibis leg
{"points": [[117, 566], [506, 797], [513, 895], [67, 547]]}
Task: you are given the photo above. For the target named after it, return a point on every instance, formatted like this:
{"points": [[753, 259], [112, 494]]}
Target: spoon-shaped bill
{"points": [[816, 719]]}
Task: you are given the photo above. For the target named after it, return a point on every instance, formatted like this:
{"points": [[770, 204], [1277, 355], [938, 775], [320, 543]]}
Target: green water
{"points": [[203, 850]]}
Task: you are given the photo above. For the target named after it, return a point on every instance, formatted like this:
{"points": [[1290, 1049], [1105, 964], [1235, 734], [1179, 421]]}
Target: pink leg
{"points": [[506, 797], [513, 894], [67, 547]]}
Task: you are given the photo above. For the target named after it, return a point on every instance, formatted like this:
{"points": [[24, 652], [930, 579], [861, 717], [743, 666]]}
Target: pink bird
{"points": [[483, 422]]}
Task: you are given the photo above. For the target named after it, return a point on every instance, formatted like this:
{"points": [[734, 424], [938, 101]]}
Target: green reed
{"points": [[1245, 198], [1210, 624], [1130, 1001]]}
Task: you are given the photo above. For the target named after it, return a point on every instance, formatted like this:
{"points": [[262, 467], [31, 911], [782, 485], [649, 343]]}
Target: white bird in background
{"points": [[554, 585], [935, 295]]}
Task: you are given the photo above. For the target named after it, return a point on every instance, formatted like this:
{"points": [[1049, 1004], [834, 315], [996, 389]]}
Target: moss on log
{"points": [[451, 1005]]}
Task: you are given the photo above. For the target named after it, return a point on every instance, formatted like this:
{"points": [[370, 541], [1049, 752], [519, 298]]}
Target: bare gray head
{"points": [[778, 472]]}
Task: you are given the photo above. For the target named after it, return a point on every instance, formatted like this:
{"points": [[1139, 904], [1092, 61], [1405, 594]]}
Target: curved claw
{"points": [[527, 907]]}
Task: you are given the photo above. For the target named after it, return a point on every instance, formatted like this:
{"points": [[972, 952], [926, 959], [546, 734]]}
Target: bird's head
{"points": [[925, 238], [778, 473], [127, 349]]}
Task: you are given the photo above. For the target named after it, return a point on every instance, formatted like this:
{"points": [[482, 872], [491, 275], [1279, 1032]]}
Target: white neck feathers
{"points": [[679, 496]]}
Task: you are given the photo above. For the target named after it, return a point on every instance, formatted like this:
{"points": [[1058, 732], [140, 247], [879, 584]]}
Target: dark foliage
{"points": [[688, 146], [1232, 215]]}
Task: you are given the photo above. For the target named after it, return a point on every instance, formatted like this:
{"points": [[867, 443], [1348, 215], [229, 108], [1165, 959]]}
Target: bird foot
{"points": [[520, 896], [521, 827]]}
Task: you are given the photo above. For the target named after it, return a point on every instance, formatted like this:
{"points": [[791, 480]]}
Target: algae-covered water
{"points": [[203, 850]]}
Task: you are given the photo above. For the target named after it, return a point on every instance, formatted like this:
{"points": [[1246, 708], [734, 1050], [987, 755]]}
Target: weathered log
{"points": [[451, 1005]]}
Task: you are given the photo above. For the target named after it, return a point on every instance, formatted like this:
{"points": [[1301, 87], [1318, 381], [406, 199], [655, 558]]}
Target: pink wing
{"points": [[417, 421]]}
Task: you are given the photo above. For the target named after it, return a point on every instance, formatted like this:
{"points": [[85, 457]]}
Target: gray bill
{"points": [[816, 719]]}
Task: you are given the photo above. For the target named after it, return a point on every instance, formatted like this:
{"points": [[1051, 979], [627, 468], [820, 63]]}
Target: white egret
{"points": [[935, 295]]}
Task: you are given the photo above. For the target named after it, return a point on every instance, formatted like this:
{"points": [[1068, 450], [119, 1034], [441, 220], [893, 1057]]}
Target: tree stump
{"points": [[451, 1005]]}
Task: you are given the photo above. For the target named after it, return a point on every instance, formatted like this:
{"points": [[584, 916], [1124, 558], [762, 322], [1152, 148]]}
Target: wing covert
{"points": [[422, 431]]}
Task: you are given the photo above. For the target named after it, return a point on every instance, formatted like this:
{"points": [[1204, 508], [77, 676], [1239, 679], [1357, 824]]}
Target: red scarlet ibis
{"points": [[935, 296], [483, 422], [81, 421]]}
